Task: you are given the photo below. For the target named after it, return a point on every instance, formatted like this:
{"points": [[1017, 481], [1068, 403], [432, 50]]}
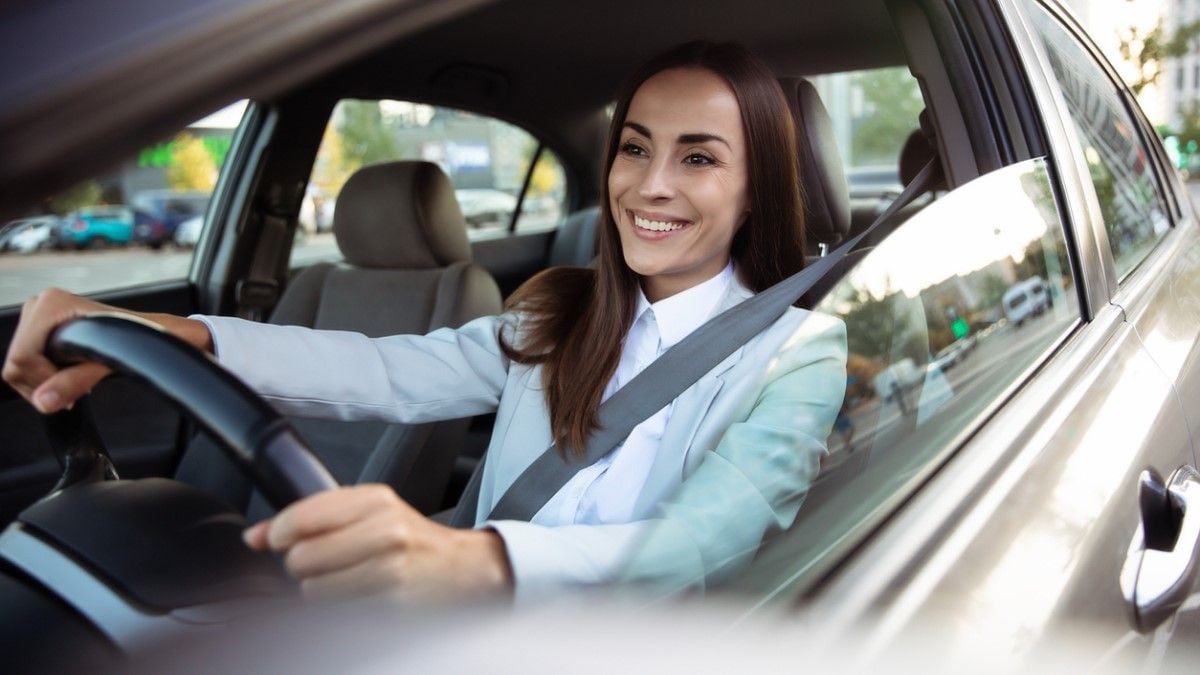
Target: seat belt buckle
{"points": [[256, 295]]}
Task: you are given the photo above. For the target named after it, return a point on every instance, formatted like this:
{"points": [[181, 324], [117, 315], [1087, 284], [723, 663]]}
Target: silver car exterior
{"points": [[1035, 523]]}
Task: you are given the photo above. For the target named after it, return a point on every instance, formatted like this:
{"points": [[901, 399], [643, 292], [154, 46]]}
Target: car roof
{"points": [[546, 65]]}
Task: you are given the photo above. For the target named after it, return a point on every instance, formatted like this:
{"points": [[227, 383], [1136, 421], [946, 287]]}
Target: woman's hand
{"points": [[43, 384], [365, 540]]}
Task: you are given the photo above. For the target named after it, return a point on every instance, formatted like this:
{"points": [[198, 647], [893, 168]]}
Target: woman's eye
{"points": [[697, 159], [632, 149]]}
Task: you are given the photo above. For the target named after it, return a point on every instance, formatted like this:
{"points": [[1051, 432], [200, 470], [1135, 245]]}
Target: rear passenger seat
{"points": [[914, 155]]}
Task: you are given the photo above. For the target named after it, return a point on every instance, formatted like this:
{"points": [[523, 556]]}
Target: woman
{"points": [[703, 211]]}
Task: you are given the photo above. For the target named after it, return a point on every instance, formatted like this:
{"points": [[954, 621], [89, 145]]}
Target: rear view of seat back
{"points": [[407, 270]]}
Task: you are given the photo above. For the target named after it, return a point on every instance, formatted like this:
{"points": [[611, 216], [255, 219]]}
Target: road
{"points": [[972, 379], [94, 271], [22, 275]]}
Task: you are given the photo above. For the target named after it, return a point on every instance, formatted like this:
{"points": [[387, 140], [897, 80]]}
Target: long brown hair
{"points": [[575, 319]]}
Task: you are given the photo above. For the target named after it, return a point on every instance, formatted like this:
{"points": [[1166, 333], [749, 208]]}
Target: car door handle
{"points": [[1163, 558]]}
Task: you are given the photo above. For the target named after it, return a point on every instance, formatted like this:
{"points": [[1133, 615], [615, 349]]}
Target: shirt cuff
{"points": [[223, 351], [538, 567]]}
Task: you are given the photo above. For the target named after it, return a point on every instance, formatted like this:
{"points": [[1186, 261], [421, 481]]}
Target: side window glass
{"points": [[543, 206], [873, 113], [122, 228], [933, 341], [1134, 211], [486, 159]]}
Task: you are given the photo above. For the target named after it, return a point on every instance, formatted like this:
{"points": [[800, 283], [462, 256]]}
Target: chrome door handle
{"points": [[1164, 556]]}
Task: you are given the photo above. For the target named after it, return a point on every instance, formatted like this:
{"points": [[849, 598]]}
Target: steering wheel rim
{"points": [[257, 439]]}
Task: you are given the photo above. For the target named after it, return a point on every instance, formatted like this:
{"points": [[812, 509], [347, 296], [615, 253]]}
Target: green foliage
{"points": [[365, 137], [893, 102], [84, 194], [991, 291], [1149, 50], [192, 166], [870, 324], [1189, 132]]}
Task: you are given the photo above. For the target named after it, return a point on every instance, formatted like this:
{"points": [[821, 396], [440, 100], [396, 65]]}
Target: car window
{"points": [[118, 230], [873, 113], [1131, 203], [942, 319], [486, 159], [543, 207]]}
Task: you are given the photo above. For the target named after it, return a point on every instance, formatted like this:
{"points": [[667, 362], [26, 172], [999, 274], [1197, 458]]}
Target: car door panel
{"points": [[1162, 301], [1027, 528], [139, 428], [513, 259]]}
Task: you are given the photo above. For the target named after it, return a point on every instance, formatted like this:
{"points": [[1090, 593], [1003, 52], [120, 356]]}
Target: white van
{"points": [[898, 377], [1029, 297]]}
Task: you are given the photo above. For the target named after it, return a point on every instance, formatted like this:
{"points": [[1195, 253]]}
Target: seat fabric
{"points": [[407, 269]]}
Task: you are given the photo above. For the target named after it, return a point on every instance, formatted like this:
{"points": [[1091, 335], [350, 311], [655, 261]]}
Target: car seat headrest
{"points": [[918, 150], [822, 178], [400, 215]]}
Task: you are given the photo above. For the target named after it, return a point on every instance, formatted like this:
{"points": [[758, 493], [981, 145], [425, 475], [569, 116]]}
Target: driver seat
{"points": [[407, 270]]}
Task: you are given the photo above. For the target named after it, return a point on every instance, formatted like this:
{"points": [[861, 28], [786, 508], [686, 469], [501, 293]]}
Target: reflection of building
{"points": [[1108, 21], [474, 151]]}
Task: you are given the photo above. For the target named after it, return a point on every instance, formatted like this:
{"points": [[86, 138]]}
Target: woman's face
{"points": [[678, 185]]}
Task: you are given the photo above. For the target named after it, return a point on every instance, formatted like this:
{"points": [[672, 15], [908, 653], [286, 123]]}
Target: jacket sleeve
{"points": [[446, 374], [748, 489]]}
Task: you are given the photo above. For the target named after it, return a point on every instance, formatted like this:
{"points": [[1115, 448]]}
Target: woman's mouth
{"points": [[652, 226]]}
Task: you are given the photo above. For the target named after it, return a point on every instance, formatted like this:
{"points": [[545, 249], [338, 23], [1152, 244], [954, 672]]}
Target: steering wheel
{"points": [[255, 437]]}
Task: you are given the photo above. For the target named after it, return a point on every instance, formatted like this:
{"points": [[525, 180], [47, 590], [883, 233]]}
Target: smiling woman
{"points": [[704, 211]]}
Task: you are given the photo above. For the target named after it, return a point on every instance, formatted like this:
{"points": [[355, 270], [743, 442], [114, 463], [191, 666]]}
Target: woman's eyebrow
{"points": [[687, 139], [683, 139]]}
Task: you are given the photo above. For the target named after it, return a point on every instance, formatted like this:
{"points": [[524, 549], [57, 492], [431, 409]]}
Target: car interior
{"points": [[405, 261]]}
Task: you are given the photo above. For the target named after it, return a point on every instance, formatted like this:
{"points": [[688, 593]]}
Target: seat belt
{"points": [[259, 291], [665, 379]]}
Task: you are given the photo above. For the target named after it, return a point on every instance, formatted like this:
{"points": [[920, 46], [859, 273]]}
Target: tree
{"points": [[332, 168], [77, 197], [365, 138], [192, 166], [893, 101], [1149, 50]]}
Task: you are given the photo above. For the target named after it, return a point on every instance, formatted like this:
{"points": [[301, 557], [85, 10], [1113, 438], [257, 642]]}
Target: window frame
{"points": [[541, 147], [1083, 213]]}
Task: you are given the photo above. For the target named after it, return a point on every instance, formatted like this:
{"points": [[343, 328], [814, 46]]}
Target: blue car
{"points": [[158, 213], [96, 227]]}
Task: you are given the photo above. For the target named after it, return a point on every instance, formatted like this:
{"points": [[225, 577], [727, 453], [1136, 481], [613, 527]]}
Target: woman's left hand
{"points": [[365, 540]]}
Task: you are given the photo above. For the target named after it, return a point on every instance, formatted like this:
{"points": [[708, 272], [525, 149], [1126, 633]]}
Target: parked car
{"points": [[188, 232], [1044, 494], [158, 213], [486, 208], [28, 234], [95, 227], [1025, 299]]}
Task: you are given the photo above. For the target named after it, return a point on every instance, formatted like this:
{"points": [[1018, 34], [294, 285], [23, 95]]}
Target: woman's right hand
{"points": [[43, 384]]}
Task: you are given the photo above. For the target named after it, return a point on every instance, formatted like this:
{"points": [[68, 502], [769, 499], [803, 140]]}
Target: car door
{"points": [[1028, 543], [143, 433]]}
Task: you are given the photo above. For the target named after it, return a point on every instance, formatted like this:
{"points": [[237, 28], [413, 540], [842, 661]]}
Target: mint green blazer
{"points": [[746, 438]]}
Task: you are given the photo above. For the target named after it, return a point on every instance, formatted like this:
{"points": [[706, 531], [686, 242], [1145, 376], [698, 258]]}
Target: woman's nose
{"points": [[657, 182]]}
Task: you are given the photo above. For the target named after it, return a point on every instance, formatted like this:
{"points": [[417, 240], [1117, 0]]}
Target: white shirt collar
{"points": [[684, 312]]}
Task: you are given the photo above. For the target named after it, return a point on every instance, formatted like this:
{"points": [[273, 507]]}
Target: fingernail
{"points": [[47, 400]]}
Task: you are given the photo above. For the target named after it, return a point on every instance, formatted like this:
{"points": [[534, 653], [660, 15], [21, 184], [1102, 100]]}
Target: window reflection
{"points": [[1134, 211], [941, 318]]}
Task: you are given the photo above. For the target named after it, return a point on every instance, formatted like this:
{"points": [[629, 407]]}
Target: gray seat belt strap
{"points": [[668, 376]]}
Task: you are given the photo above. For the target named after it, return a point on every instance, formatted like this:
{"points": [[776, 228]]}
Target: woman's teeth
{"points": [[656, 225]]}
